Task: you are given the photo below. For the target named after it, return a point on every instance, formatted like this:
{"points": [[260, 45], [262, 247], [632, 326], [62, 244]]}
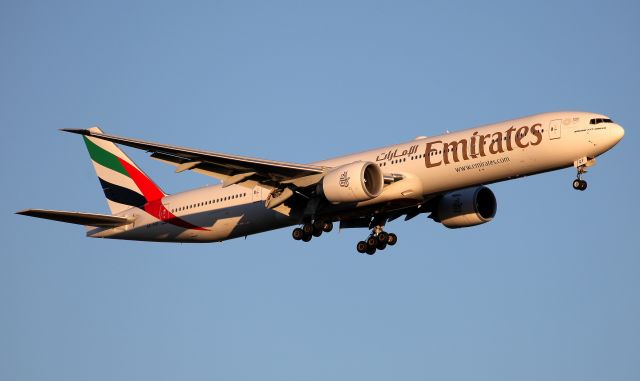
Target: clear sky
{"points": [[547, 291]]}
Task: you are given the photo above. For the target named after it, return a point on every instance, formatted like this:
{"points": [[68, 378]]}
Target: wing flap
{"points": [[79, 218]]}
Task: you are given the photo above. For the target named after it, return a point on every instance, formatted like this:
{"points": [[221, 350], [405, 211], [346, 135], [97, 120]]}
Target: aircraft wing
{"points": [[231, 169], [87, 219]]}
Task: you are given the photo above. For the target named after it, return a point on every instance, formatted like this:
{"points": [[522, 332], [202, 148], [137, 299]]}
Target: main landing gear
{"points": [[378, 240], [310, 230]]}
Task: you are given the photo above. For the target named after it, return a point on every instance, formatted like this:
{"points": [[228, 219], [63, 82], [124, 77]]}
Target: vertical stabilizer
{"points": [[123, 183]]}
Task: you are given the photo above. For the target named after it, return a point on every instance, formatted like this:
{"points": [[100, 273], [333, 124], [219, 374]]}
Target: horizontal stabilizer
{"points": [[87, 219]]}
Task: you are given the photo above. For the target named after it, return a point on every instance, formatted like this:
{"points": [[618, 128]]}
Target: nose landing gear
{"points": [[581, 166]]}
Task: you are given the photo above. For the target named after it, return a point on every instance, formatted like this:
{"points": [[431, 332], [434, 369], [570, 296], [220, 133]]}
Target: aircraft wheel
{"points": [[306, 237], [583, 185], [317, 232], [362, 247], [327, 226], [372, 241], [383, 237], [371, 250], [307, 228], [577, 184], [297, 234], [381, 245], [392, 239]]}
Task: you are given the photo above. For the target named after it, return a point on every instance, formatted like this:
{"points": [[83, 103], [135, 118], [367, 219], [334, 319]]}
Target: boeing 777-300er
{"points": [[445, 176]]}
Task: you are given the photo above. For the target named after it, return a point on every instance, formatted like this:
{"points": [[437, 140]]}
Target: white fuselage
{"points": [[428, 166]]}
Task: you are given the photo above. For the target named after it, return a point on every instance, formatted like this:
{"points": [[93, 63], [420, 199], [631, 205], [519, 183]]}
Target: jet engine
{"points": [[355, 182], [466, 207]]}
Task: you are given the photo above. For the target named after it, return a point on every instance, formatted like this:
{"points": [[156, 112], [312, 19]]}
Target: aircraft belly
{"points": [[242, 220]]}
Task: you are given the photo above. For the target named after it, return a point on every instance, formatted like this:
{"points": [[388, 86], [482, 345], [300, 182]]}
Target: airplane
{"points": [[444, 175]]}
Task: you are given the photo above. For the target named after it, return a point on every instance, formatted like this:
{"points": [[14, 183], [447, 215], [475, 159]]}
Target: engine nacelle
{"points": [[466, 207], [355, 182]]}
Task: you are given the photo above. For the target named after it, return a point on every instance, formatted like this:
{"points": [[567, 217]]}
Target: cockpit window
{"points": [[600, 120]]}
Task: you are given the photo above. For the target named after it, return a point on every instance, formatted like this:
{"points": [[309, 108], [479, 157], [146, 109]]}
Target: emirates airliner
{"points": [[444, 176]]}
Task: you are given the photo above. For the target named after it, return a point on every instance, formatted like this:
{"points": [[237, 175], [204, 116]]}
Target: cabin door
{"points": [[555, 129], [257, 193]]}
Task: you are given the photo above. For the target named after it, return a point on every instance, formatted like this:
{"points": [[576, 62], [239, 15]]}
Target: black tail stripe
{"points": [[122, 195]]}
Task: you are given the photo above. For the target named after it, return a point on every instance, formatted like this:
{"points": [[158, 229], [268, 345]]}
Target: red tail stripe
{"points": [[150, 191], [154, 197]]}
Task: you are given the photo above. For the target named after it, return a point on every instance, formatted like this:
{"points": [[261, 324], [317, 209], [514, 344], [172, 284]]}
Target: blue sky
{"points": [[549, 290]]}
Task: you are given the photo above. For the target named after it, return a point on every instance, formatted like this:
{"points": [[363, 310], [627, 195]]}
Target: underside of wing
{"points": [[231, 169], [79, 218]]}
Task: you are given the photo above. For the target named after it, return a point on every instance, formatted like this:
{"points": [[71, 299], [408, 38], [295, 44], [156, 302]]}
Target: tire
{"points": [[583, 185], [383, 237], [327, 227], [381, 245], [362, 247], [306, 238], [297, 234], [577, 184], [372, 241], [307, 228], [317, 232], [371, 250], [392, 239]]}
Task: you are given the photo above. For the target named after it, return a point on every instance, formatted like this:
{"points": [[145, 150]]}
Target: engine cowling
{"points": [[355, 182], [467, 207]]}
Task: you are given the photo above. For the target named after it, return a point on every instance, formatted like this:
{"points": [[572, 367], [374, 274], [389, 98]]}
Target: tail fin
{"points": [[123, 183]]}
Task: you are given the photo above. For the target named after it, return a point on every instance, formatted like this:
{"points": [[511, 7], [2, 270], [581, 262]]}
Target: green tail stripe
{"points": [[104, 157]]}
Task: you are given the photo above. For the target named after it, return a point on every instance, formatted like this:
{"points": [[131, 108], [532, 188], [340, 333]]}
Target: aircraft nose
{"points": [[617, 132]]}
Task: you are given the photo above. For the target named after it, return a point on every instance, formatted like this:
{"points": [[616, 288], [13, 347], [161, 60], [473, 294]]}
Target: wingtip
{"points": [[80, 131]]}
